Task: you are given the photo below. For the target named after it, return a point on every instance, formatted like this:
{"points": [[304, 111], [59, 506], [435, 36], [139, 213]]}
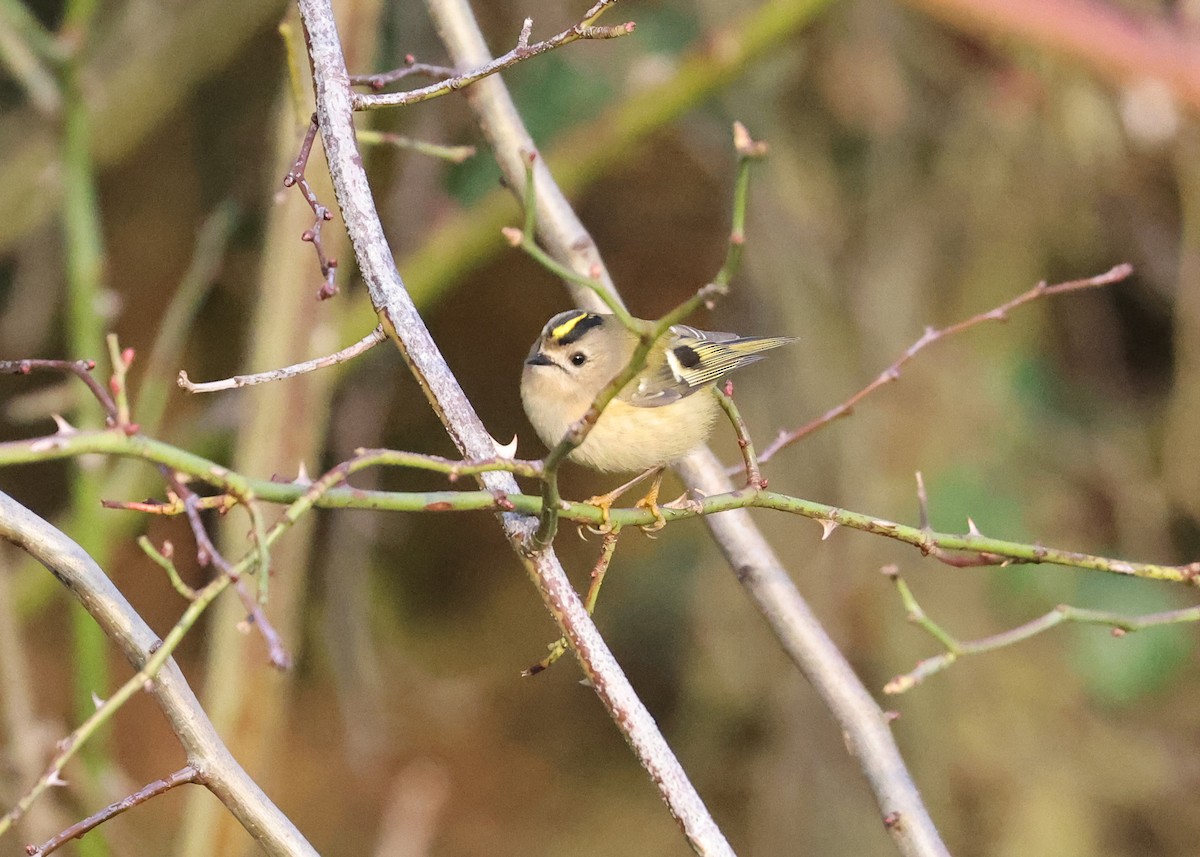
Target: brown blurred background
{"points": [[920, 172]]}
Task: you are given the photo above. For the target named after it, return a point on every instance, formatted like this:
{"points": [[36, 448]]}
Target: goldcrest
{"points": [[660, 416]]}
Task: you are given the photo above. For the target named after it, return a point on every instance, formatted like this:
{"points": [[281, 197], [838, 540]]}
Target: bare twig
{"points": [[560, 646], [754, 477], [120, 360], [748, 150], [186, 774], [932, 335], [151, 657], [411, 67], [82, 369], [585, 29], [207, 553], [1120, 623], [312, 235], [365, 344], [163, 560]]}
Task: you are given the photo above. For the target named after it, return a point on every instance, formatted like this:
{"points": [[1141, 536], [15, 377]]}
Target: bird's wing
{"points": [[693, 359]]}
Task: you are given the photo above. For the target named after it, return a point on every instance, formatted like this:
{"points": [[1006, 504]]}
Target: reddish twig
{"points": [[411, 67], [81, 369], [313, 235], [754, 477], [932, 335], [186, 774], [207, 554]]}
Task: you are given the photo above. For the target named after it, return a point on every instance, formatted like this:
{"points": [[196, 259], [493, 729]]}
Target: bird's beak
{"points": [[538, 359]]}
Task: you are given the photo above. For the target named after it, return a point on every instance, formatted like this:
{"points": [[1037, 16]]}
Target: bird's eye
{"points": [[578, 358]]}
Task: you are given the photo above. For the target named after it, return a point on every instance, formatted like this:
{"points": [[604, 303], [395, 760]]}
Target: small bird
{"points": [[660, 416]]}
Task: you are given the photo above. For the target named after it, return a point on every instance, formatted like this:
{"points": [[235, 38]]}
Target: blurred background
{"points": [[928, 162]]}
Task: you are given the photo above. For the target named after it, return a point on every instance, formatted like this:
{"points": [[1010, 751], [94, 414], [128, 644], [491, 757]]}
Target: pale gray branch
{"points": [[395, 307], [218, 769], [558, 228], [751, 557], [365, 344]]}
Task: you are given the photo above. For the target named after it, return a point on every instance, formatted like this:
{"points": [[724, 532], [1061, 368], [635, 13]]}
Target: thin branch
{"points": [[81, 369], [932, 335], [748, 151], [207, 553], [453, 154], [754, 477], [398, 313], [163, 560], [1120, 623], [583, 30], [365, 344], [561, 646], [941, 545], [150, 656], [120, 361], [322, 214], [411, 67], [186, 774]]}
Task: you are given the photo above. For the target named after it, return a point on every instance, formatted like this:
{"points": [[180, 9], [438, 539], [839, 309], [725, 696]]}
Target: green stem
{"points": [[993, 551], [84, 248], [1063, 613]]}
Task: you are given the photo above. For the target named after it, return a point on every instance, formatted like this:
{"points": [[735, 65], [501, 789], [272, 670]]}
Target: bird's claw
{"points": [[603, 502], [650, 502]]}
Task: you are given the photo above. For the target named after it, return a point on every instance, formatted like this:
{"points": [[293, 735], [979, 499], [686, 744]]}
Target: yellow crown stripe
{"points": [[567, 326]]}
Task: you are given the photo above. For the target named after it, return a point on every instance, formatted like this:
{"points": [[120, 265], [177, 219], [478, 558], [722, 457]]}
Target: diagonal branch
{"points": [[585, 29], [932, 335], [405, 326], [186, 774], [122, 624], [758, 568]]}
